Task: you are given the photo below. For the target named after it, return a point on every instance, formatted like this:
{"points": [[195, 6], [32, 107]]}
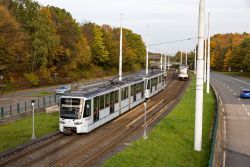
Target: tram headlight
{"points": [[62, 122], [77, 123]]}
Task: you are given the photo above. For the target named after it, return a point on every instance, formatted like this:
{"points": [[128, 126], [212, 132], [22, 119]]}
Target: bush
{"points": [[45, 74], [32, 78]]}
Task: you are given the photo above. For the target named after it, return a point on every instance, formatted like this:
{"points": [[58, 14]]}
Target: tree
{"points": [[71, 39], [225, 51], [244, 51], [12, 43], [100, 56], [228, 60]]}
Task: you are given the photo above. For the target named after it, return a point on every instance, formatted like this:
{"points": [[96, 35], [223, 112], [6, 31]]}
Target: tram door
{"points": [[96, 108], [112, 102]]}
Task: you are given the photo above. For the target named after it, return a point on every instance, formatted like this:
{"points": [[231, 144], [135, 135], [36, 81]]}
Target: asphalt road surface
{"points": [[237, 110]]}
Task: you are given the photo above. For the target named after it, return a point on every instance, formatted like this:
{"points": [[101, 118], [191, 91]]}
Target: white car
{"points": [[63, 89]]}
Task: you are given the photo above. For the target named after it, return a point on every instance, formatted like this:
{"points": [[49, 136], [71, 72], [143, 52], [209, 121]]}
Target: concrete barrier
{"points": [[52, 109]]}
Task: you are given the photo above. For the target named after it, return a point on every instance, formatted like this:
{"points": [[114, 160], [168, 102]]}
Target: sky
{"points": [[167, 20]]}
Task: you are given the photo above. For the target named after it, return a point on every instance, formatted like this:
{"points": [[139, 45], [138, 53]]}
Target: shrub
{"points": [[32, 78]]}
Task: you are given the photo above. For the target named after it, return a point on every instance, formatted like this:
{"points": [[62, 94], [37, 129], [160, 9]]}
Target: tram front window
{"points": [[70, 108]]}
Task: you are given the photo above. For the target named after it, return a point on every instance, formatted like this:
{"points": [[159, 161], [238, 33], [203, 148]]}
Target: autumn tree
{"points": [[12, 43], [100, 55]]}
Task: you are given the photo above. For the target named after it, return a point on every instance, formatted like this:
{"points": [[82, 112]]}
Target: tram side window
{"points": [[87, 109], [163, 79], [116, 96], [142, 89], [124, 93], [152, 83], [107, 100], [138, 88], [148, 85], [101, 102], [96, 108], [132, 90]]}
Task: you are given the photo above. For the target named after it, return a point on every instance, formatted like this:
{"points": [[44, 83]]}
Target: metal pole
{"points": [[199, 80], [18, 108], [145, 121], [147, 52], [208, 55], [168, 58], [120, 57], [205, 58], [33, 120], [2, 112], [161, 55], [165, 59], [181, 59], [186, 58], [195, 59], [25, 106]]}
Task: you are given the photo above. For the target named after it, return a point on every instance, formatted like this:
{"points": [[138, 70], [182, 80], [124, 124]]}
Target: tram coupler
{"points": [[67, 130]]}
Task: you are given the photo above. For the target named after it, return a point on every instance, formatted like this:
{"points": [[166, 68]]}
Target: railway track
{"points": [[83, 150]]}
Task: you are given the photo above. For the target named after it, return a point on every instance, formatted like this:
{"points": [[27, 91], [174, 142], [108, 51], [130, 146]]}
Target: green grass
{"points": [[171, 143], [19, 132], [241, 74], [41, 94]]}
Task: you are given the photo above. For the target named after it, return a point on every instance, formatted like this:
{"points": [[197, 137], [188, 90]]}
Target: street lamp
{"points": [[55, 77], [33, 120]]}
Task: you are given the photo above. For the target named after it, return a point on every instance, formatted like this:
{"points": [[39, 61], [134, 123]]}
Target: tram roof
{"points": [[92, 91]]}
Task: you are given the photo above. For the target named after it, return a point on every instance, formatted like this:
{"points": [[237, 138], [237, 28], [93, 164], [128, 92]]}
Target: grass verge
{"points": [[42, 93], [241, 74], [171, 142], [20, 131]]}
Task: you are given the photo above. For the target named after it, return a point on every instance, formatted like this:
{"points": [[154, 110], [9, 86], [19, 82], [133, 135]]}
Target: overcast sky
{"points": [[168, 20]]}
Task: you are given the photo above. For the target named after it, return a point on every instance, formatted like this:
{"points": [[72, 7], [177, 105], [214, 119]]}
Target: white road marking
{"points": [[240, 81], [244, 107], [235, 94], [242, 87], [248, 113], [238, 98]]}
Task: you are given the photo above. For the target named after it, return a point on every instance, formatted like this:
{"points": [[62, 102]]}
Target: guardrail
{"points": [[25, 106], [217, 158]]}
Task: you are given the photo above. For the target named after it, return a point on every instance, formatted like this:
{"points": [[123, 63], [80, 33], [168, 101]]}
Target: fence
{"points": [[24, 106], [217, 158]]}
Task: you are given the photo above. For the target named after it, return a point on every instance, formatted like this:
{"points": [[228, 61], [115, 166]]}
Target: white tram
{"points": [[84, 110], [183, 72]]}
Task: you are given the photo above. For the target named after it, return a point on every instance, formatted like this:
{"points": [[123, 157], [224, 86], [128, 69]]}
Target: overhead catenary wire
{"points": [[174, 41]]}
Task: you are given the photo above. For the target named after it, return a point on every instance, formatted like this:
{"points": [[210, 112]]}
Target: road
{"points": [[237, 116]]}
